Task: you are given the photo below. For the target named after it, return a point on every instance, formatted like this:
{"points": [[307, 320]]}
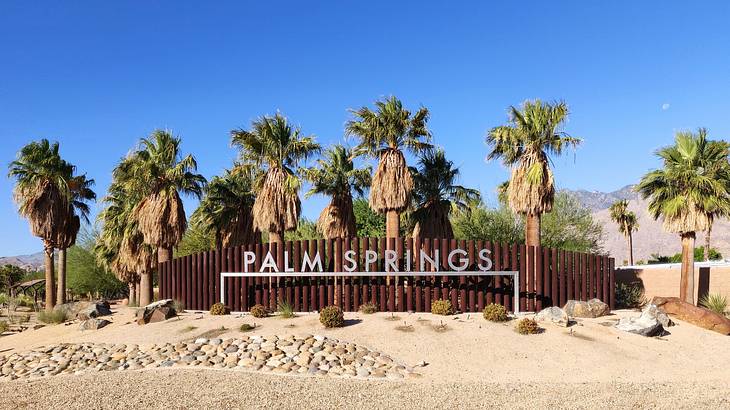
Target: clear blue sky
{"points": [[97, 76]]}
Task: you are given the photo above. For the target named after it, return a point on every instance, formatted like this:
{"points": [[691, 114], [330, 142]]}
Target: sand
{"points": [[470, 362]]}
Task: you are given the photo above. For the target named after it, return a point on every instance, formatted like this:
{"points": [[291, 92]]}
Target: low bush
{"points": [[715, 302], [442, 307], [332, 316], [178, 305], [285, 310], [53, 317], [247, 328], [495, 313], [259, 311], [219, 309], [527, 326], [3, 326], [629, 295], [368, 308]]}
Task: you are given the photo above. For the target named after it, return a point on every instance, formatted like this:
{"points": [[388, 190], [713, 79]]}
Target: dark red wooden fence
{"points": [[547, 277]]}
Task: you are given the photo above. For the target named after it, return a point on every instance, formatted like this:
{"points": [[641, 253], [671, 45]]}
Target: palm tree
{"points": [[226, 209], [627, 223], [693, 184], [533, 133], [435, 194], [336, 176], [42, 194], [384, 134], [275, 147], [81, 192]]}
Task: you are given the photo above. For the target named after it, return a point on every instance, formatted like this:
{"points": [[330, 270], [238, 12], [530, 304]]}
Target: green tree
{"points": [[85, 275], [525, 144], [196, 239], [693, 184], [306, 229], [384, 134], [627, 223], [492, 224], [9, 276], [277, 148], [367, 222]]}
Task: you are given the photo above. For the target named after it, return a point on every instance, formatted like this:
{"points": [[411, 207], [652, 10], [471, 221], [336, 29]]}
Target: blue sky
{"points": [[97, 76]]}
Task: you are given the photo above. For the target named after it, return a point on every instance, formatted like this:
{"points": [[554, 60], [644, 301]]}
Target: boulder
{"points": [[696, 315], [554, 315], [647, 324], [592, 308], [93, 324], [94, 310], [660, 315], [156, 312]]}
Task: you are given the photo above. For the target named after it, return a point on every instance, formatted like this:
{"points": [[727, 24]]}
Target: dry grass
{"points": [[438, 226], [392, 183], [531, 186], [161, 219], [337, 220]]}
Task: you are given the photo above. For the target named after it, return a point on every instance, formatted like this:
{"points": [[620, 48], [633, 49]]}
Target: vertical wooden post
{"points": [[612, 284], [481, 284], [539, 275], [472, 281]]}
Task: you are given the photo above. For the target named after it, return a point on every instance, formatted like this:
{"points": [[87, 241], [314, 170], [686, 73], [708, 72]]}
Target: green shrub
{"points": [[442, 307], [715, 302], [219, 309], [178, 305], [527, 326], [285, 310], [629, 295], [3, 326], [55, 316], [247, 328], [368, 308], [332, 316], [4, 298], [24, 301], [258, 310], [495, 313]]}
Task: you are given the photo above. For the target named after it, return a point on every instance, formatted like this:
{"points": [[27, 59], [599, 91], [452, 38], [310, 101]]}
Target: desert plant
{"points": [[3, 326], [368, 308], [527, 326], [629, 295], [247, 328], [495, 313], [442, 307], [285, 310], [178, 305], [715, 302], [219, 309], [259, 311], [53, 317], [332, 316], [627, 223]]}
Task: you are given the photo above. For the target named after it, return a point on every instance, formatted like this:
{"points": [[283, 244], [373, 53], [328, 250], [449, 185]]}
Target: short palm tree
{"points": [[336, 176], [81, 193], [384, 134], [43, 197], [275, 147], [226, 209], [436, 193], [525, 145], [626, 221], [693, 184]]}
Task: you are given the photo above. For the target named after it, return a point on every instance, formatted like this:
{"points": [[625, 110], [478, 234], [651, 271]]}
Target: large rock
{"points": [[660, 315], [94, 310], [592, 308], [554, 315], [156, 312], [696, 315], [645, 325], [93, 324]]}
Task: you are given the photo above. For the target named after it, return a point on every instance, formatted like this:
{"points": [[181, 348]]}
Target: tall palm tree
{"points": [[42, 194], [525, 145], [78, 210], [694, 183], [277, 148], [627, 223], [336, 176], [384, 134], [226, 209], [436, 193]]}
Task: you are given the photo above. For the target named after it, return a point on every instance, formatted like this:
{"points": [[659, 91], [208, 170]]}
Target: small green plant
{"points": [[527, 326], [629, 295], [285, 310], [219, 309], [247, 328], [258, 311], [53, 317], [332, 316], [4, 298], [442, 307], [3, 326], [495, 313], [368, 308], [715, 302], [405, 327], [178, 305]]}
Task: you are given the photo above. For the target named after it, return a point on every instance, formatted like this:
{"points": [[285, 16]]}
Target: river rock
{"points": [[591, 309], [554, 315], [696, 315], [93, 324]]}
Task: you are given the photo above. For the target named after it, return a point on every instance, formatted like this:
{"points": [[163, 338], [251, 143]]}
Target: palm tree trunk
{"points": [[687, 276], [276, 237], [50, 286], [61, 292], [532, 230], [132, 294], [707, 242], [631, 249], [145, 292], [392, 224]]}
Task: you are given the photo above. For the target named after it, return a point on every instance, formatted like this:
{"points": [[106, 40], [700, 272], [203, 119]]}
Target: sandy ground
{"points": [[472, 363]]}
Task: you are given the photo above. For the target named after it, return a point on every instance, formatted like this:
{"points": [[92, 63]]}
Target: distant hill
{"points": [[32, 262], [596, 200]]}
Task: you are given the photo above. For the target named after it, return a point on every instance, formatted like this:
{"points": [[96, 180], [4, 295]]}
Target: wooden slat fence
{"points": [[548, 277]]}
